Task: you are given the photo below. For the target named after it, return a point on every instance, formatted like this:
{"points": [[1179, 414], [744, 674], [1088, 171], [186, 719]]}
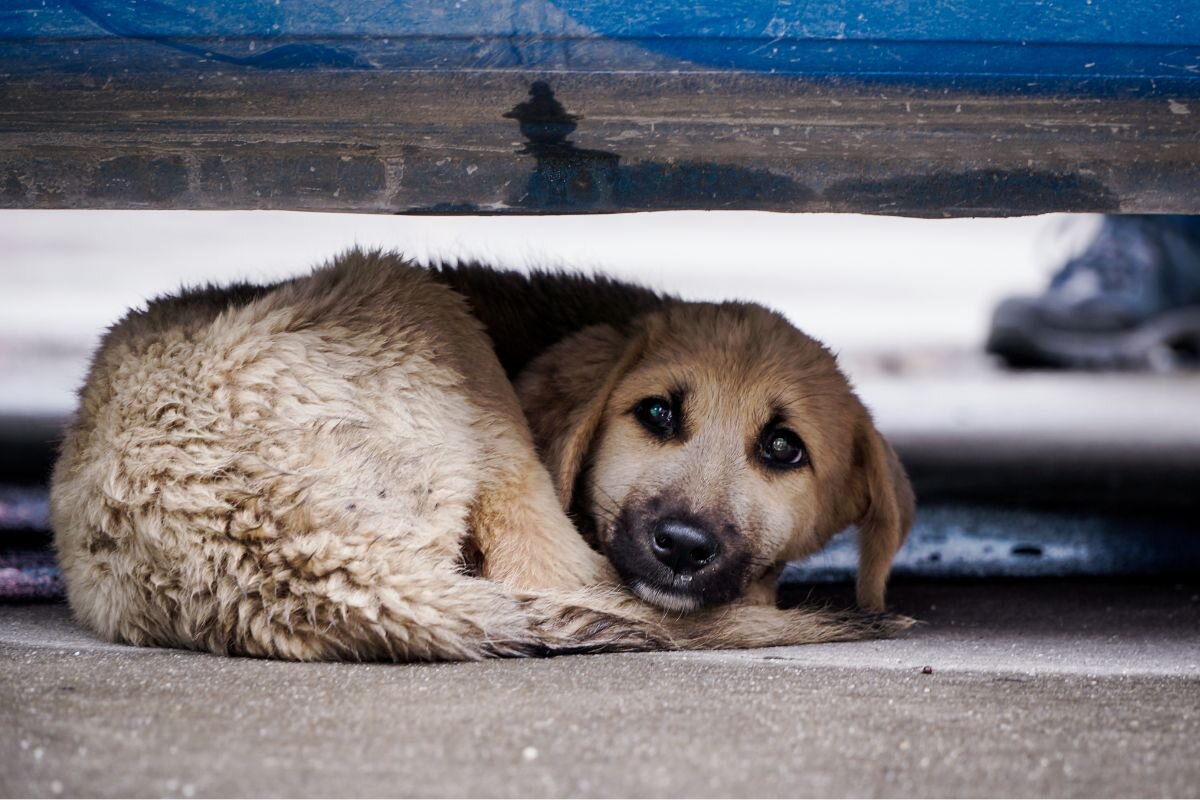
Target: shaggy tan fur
{"points": [[338, 467]]}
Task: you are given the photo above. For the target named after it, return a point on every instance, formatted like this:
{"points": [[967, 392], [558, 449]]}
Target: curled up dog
{"points": [[379, 461]]}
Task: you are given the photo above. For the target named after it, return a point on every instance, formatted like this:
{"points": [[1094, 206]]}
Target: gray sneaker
{"points": [[1130, 300]]}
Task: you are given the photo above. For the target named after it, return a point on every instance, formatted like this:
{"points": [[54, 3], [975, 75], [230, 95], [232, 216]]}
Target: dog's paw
{"points": [[568, 629]]}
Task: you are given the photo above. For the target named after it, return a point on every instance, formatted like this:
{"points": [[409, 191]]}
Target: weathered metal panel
{"points": [[924, 107]]}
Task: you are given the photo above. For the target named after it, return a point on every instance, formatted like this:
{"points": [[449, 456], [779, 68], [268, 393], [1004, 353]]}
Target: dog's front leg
{"points": [[525, 538]]}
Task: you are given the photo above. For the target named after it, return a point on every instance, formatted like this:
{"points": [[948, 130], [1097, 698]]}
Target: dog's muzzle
{"points": [[678, 561]]}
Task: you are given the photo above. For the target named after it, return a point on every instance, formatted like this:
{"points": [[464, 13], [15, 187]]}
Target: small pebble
{"points": [[529, 753], [926, 670]]}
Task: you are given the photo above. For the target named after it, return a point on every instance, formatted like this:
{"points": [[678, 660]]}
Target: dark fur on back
{"points": [[197, 305], [523, 314], [526, 314]]}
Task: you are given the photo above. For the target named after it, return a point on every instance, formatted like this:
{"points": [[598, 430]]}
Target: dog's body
{"points": [[339, 467]]}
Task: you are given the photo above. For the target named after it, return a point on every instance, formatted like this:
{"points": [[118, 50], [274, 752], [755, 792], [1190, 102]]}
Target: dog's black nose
{"points": [[683, 547]]}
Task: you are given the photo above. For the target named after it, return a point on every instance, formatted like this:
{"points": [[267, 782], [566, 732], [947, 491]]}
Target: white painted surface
{"points": [[865, 285]]}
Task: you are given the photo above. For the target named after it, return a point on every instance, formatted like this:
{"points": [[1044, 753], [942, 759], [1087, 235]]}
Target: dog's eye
{"points": [[656, 416], [780, 447]]}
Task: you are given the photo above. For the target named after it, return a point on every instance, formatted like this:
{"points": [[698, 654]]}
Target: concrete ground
{"points": [[1036, 689]]}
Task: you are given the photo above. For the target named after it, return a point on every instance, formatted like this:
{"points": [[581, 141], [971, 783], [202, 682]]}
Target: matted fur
{"points": [[338, 467]]}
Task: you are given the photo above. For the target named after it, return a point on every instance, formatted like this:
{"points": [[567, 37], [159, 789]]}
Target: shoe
{"points": [[1130, 300]]}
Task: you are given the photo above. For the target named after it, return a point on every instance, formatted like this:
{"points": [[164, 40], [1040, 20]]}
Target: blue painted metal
{"points": [[1089, 45], [923, 38]]}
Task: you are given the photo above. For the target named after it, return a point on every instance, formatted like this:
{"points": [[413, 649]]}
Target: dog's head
{"points": [[709, 443]]}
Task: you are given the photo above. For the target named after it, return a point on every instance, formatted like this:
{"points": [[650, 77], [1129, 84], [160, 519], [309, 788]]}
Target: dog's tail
{"points": [[450, 616], [486, 621], [439, 617], [744, 625], [470, 618]]}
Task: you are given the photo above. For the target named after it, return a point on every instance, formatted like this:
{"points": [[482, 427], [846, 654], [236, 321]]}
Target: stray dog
{"points": [[379, 461]]}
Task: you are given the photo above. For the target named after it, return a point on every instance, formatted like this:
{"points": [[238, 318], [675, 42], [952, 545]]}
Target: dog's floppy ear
{"points": [[565, 390], [886, 509]]}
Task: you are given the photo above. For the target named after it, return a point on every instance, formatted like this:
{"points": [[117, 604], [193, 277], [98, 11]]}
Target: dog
{"points": [[383, 462]]}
